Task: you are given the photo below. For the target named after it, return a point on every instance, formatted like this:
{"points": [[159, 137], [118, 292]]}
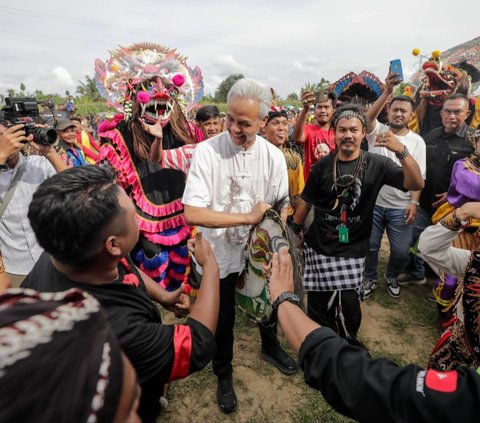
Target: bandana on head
{"points": [[59, 361], [275, 114], [348, 114]]}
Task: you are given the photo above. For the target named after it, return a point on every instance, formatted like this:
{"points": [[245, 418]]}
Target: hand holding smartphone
{"points": [[321, 96], [396, 68]]}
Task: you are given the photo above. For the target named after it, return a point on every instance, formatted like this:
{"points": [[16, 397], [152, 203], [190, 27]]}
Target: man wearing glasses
{"points": [[445, 145]]}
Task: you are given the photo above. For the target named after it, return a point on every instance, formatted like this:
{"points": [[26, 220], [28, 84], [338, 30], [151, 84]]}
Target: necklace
{"points": [[337, 182]]}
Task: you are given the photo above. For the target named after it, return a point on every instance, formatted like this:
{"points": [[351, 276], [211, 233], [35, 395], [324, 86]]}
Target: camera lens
{"points": [[44, 136]]}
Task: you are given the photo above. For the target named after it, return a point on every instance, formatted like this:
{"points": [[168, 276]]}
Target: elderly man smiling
{"points": [[234, 178]]}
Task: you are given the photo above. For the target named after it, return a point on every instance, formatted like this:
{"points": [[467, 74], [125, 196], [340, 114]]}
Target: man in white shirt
{"points": [[394, 210], [234, 178], [19, 247]]}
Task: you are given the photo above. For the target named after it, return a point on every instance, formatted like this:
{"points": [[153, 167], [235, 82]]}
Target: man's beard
{"points": [[397, 127]]}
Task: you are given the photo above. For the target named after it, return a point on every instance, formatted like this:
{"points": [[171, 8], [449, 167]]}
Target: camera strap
{"points": [[11, 189]]}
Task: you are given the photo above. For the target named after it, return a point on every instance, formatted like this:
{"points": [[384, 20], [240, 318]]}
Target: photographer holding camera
{"points": [[19, 178]]}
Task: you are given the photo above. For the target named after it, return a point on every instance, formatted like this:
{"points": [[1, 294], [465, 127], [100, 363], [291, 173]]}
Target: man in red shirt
{"points": [[318, 132]]}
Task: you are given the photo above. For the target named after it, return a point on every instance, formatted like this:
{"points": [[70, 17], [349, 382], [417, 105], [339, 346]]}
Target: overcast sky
{"points": [[51, 44]]}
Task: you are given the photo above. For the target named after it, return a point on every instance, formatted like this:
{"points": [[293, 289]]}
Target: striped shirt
{"points": [[18, 244], [178, 158]]}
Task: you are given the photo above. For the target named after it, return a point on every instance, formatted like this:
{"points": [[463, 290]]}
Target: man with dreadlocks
{"points": [[343, 188]]}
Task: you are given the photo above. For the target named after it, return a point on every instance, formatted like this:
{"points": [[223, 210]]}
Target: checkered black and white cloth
{"points": [[324, 273]]}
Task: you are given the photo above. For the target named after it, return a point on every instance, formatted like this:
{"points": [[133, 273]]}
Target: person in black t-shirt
{"points": [[87, 226], [342, 189]]}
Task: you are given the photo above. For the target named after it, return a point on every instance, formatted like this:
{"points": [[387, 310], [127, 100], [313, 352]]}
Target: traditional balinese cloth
{"points": [[459, 345], [59, 361], [464, 187], [161, 251], [329, 273]]}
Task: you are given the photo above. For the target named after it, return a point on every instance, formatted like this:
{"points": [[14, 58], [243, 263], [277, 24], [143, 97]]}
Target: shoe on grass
{"points": [[369, 285], [409, 279], [393, 287]]}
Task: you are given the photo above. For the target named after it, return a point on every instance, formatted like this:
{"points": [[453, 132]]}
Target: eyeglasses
{"points": [[456, 112]]}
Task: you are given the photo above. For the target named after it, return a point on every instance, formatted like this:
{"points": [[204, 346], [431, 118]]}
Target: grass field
{"points": [[402, 330]]}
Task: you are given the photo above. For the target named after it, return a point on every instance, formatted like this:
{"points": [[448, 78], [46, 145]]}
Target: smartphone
{"points": [[321, 96], [396, 67]]}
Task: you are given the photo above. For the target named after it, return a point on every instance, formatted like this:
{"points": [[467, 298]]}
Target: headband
{"points": [[275, 114], [348, 114]]}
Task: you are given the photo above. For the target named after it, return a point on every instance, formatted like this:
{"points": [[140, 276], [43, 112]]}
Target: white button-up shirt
{"points": [[19, 247], [225, 177]]}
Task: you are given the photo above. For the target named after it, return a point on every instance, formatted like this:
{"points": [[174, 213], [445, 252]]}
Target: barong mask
{"points": [[164, 73], [442, 79], [155, 98]]}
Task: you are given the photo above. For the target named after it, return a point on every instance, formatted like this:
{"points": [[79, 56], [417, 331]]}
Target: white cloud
{"points": [[292, 42], [225, 64]]}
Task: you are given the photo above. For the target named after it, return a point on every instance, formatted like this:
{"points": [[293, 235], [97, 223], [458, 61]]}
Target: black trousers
{"points": [[344, 316], [222, 359]]}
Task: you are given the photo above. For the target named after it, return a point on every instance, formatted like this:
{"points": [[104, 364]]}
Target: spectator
{"points": [[70, 107], [363, 388], [343, 188], [394, 210], [208, 119], [20, 176], [84, 138], [445, 145], [84, 209], [318, 132], [234, 178], [67, 141], [60, 361], [276, 132]]}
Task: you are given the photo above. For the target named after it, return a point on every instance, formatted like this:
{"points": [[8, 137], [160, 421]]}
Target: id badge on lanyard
{"points": [[342, 229]]}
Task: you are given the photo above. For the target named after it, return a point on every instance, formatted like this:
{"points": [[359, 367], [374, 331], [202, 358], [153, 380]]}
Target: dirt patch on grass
{"points": [[387, 331], [264, 394]]}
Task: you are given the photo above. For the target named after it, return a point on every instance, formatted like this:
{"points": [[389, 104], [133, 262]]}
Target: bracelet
{"points": [[286, 296], [415, 202], [453, 222], [403, 154], [458, 221]]}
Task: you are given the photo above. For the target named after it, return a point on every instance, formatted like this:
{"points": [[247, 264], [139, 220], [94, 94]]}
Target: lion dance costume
{"points": [[147, 82]]}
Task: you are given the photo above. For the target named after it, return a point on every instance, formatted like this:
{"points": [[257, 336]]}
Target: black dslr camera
{"points": [[23, 110]]}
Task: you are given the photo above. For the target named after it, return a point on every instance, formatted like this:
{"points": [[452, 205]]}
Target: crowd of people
{"points": [[96, 231]]}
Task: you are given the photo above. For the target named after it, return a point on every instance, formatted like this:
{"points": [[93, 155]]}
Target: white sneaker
{"points": [[393, 287], [369, 285]]}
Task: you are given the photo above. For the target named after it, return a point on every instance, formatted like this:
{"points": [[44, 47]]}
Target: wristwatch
{"points": [[403, 154], [286, 296]]}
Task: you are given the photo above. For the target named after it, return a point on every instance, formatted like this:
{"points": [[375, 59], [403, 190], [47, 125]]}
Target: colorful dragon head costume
{"points": [[442, 79], [153, 77], [453, 71], [363, 87]]}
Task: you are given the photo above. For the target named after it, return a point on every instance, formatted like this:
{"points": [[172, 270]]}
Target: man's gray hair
{"points": [[252, 90]]}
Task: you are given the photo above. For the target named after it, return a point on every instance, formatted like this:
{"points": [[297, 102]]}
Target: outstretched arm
{"points": [[376, 108], [203, 216], [308, 98]]}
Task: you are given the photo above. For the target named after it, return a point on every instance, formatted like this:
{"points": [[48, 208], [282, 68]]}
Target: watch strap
{"points": [[286, 296], [403, 154]]}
